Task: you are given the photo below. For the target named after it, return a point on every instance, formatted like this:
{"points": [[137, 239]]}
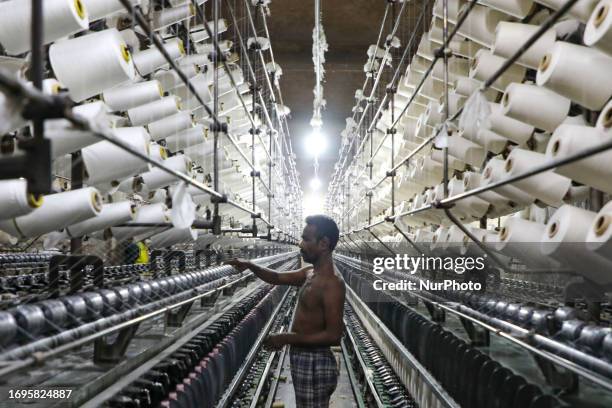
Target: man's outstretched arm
{"points": [[333, 303], [294, 278]]}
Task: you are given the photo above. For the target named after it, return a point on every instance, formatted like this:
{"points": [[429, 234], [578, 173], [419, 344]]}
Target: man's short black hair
{"points": [[326, 227]]}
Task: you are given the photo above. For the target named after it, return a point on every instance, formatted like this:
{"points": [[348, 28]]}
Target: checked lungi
{"points": [[314, 372]]}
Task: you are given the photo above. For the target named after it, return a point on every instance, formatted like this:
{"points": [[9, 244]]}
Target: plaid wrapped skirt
{"points": [[314, 372]]}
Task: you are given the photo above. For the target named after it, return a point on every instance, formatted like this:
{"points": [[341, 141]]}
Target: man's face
{"points": [[311, 247]]}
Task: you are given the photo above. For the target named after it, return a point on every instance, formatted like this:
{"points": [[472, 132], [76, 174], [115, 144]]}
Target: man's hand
{"points": [[239, 263], [275, 342]]}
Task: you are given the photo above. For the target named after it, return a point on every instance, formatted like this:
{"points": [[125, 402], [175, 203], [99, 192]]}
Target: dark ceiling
{"points": [[350, 27]]}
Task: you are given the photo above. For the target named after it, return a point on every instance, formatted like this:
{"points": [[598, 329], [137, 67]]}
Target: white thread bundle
{"points": [[594, 170], [465, 86], [131, 185], [16, 200], [580, 11], [466, 150], [152, 59], [486, 138], [201, 86], [98, 9], [173, 236], [598, 31], [170, 79], [515, 8], [564, 238], [98, 156], [198, 32], [152, 111], [535, 105], [509, 37], [426, 49], [147, 214], [494, 171], [501, 204], [557, 186], [438, 242], [170, 125], [517, 238], [57, 211], [561, 70], [479, 26], [157, 178], [509, 128], [168, 16], [486, 64], [66, 139], [186, 138], [111, 214], [60, 18], [453, 162], [157, 152], [469, 207], [127, 96], [92, 63], [465, 48], [432, 89], [457, 67], [599, 237], [453, 11], [604, 121], [208, 48]]}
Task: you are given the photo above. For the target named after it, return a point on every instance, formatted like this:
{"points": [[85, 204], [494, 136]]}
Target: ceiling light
{"points": [[315, 184], [312, 204], [316, 143]]}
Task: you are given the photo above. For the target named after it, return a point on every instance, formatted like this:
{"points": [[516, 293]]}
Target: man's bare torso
{"points": [[310, 313]]}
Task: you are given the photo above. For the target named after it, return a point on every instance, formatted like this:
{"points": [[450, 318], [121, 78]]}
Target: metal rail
{"points": [[264, 376], [40, 356], [123, 375], [351, 374], [279, 368], [226, 399], [364, 368], [599, 372], [424, 388]]}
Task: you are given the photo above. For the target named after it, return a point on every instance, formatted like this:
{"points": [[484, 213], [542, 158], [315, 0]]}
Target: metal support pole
{"points": [[445, 54], [471, 236], [348, 200], [38, 57], [254, 130], [407, 238], [364, 242], [76, 181], [270, 164], [382, 243], [216, 217], [392, 173], [371, 166]]}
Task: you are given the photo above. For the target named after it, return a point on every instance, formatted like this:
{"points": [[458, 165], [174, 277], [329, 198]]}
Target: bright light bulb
{"points": [[316, 143], [315, 183], [312, 204]]}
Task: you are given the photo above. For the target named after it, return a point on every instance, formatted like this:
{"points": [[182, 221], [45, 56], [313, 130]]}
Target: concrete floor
{"points": [[342, 397]]}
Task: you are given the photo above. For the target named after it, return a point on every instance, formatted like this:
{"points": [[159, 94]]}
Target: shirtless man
{"points": [[318, 320]]}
